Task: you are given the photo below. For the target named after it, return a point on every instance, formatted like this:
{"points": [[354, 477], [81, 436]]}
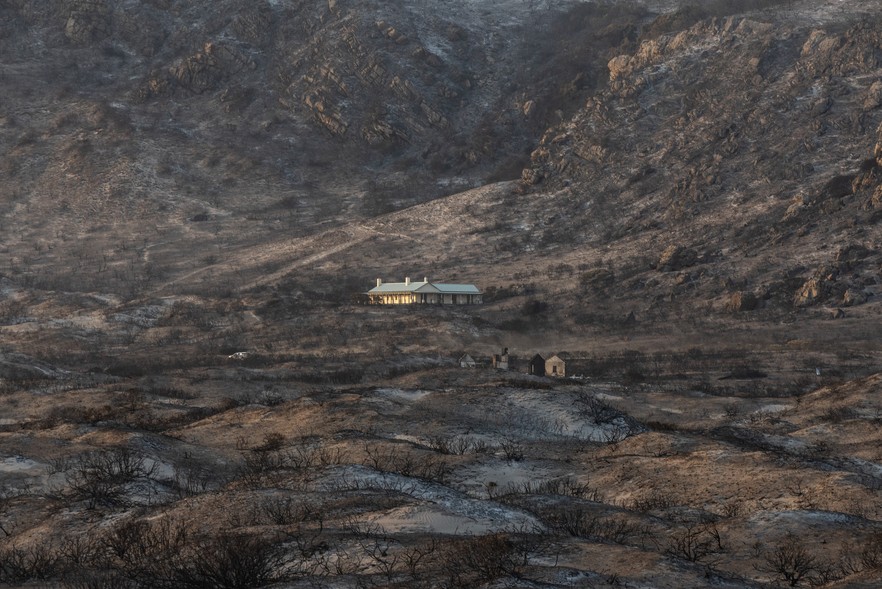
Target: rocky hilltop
{"points": [[742, 150]]}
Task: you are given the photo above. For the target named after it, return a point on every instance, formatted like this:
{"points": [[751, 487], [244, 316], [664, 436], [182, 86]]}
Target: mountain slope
{"points": [[677, 186], [721, 163], [212, 125]]}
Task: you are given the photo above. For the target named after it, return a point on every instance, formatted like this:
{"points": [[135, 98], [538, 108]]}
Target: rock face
{"points": [[815, 290], [742, 301], [209, 67], [89, 21], [292, 87], [676, 147]]}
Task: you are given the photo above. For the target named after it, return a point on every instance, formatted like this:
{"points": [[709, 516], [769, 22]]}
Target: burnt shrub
{"points": [[100, 477], [695, 542], [533, 307], [20, 564], [231, 561], [471, 562]]}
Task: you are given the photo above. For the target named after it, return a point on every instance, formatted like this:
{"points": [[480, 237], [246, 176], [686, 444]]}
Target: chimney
{"points": [[406, 280], [379, 282], [425, 279]]}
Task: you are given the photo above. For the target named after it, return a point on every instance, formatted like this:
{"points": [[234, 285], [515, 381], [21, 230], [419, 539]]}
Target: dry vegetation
{"points": [[144, 455], [193, 394]]}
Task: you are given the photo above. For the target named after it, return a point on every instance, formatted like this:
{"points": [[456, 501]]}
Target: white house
{"points": [[425, 292]]}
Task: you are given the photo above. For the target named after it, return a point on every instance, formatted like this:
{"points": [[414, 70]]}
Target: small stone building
{"points": [[501, 361], [556, 367], [467, 361]]}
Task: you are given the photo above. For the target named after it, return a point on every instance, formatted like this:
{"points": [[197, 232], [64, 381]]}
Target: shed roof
{"points": [[457, 288]]}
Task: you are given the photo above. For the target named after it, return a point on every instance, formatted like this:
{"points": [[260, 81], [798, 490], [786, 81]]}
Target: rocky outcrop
{"points": [[815, 290], [205, 69], [676, 145], [676, 257], [740, 301], [88, 21], [854, 296], [829, 284]]}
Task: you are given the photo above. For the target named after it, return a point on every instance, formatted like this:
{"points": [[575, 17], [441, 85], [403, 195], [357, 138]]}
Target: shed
{"points": [[555, 366], [537, 365], [467, 361]]}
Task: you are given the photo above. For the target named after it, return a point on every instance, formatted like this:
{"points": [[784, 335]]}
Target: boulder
{"points": [[853, 297], [812, 291], [741, 301], [88, 21], [676, 257], [873, 99], [619, 66], [531, 176], [823, 285]]}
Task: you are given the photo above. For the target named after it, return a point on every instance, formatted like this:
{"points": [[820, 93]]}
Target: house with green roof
{"points": [[424, 293]]}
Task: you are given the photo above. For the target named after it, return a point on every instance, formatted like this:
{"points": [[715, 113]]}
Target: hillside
{"points": [[682, 200]]}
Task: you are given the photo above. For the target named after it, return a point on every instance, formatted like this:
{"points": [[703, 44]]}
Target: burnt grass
{"points": [[333, 451]]}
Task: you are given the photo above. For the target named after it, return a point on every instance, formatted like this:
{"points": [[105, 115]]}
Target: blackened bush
{"points": [[20, 564], [695, 542], [100, 477], [791, 562], [144, 552], [533, 307], [231, 562], [582, 523], [566, 487], [472, 562], [871, 554], [597, 410]]}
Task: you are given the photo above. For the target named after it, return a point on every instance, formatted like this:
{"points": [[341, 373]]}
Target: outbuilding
{"points": [[556, 366], [467, 361], [537, 365]]}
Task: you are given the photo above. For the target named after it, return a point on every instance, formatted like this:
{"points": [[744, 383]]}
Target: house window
{"points": [[554, 370]]}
